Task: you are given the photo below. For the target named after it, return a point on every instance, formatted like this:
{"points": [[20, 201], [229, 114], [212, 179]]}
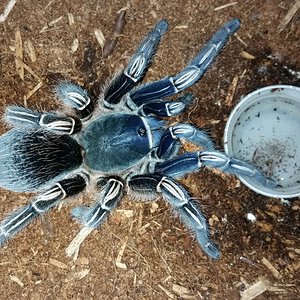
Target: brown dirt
{"points": [[160, 254]]}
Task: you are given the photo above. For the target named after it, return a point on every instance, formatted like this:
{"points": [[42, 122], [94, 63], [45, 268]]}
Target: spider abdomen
{"points": [[31, 158], [115, 142]]}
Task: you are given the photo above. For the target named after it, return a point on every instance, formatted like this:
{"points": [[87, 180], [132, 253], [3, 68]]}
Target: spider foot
{"points": [[234, 166], [187, 208]]}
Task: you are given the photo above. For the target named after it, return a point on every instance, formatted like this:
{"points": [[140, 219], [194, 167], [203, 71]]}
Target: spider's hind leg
{"points": [[23, 117], [19, 219], [187, 208], [92, 217]]}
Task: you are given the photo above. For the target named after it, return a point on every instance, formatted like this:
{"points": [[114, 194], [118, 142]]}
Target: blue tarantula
{"points": [[120, 143]]}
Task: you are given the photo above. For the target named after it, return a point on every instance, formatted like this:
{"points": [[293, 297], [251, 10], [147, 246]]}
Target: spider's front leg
{"points": [[193, 161], [137, 66], [171, 136], [187, 208], [169, 86], [16, 221]]}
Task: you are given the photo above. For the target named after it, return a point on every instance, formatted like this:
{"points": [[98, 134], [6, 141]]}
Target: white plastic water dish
{"points": [[264, 129]]}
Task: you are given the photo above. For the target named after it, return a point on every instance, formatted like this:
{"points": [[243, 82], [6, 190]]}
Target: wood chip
{"points": [[168, 293], [225, 6], [9, 6], [182, 292], [70, 19], [16, 280], [32, 92], [254, 290], [57, 263], [274, 271], [30, 51], [75, 45], [127, 213], [231, 91], [289, 16], [119, 264], [100, 37], [51, 24], [19, 53], [247, 55], [81, 274], [73, 249]]}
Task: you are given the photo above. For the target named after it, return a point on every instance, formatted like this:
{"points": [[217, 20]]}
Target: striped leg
{"points": [[95, 215], [76, 97], [190, 162], [20, 116], [162, 108], [170, 137], [187, 208], [19, 219], [137, 66], [191, 74]]}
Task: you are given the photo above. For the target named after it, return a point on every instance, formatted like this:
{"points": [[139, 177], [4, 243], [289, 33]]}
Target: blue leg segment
{"points": [[162, 108], [95, 215], [137, 66], [234, 166], [20, 218], [185, 131], [187, 208], [192, 73], [191, 162], [22, 117]]}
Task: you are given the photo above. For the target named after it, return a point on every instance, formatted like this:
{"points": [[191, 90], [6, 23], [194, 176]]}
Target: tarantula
{"points": [[120, 143]]}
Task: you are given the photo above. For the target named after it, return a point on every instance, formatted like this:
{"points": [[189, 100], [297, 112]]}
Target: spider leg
{"points": [[162, 108], [74, 96], [109, 197], [19, 219], [192, 73], [137, 66], [187, 208], [20, 116], [193, 161], [170, 137], [92, 217]]}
